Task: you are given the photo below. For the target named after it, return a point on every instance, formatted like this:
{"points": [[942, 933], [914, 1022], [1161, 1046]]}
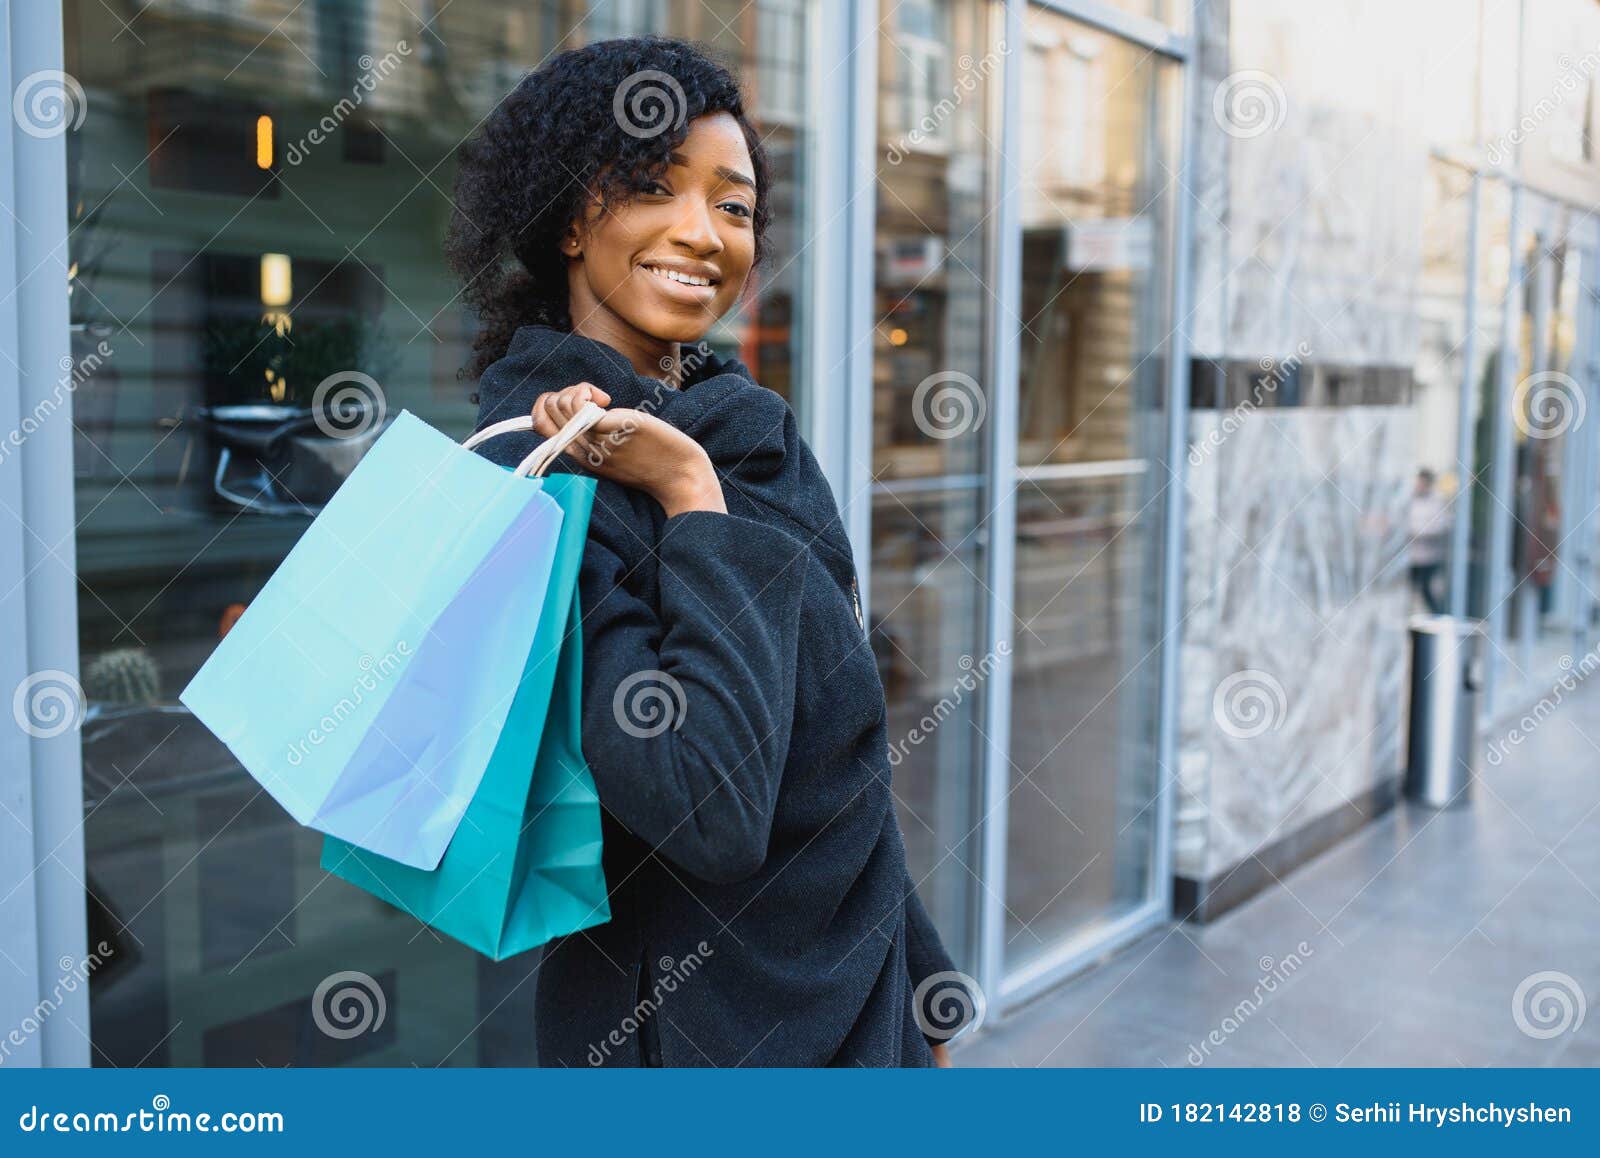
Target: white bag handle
{"points": [[545, 453]]}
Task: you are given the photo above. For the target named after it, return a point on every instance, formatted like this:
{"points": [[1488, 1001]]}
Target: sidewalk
{"points": [[1417, 932]]}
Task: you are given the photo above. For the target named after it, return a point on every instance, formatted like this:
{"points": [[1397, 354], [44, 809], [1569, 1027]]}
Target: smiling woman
{"points": [[733, 717], [604, 162], [675, 258]]}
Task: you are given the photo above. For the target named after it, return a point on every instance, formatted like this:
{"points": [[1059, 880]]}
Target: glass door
{"points": [[1512, 600], [1566, 420], [1585, 586], [1546, 512], [1586, 482], [1471, 597], [1091, 488], [1020, 329], [932, 406]]}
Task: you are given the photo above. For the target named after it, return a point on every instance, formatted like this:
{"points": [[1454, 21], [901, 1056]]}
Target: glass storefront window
{"points": [[1091, 486], [1498, 131], [1173, 13], [940, 65], [1544, 403], [1468, 78], [1494, 273], [1543, 603], [1442, 349], [1556, 150], [1554, 452], [233, 251], [1531, 302]]}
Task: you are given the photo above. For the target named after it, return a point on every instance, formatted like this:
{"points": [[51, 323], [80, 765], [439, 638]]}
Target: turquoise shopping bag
{"points": [[366, 685], [524, 866]]}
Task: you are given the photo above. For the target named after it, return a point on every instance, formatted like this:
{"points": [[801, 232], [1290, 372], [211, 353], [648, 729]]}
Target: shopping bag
{"points": [[367, 684], [525, 864]]}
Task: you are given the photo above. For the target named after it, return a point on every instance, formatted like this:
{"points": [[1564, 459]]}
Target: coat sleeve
{"points": [[926, 957], [687, 705], [925, 952]]}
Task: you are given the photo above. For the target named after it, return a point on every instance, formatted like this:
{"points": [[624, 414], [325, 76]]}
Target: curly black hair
{"points": [[585, 125]]}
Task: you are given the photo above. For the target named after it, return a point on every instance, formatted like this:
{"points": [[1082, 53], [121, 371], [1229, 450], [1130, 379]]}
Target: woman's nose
{"points": [[697, 230]]}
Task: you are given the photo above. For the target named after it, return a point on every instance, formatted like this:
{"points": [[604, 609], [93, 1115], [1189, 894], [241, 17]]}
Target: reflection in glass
{"points": [[931, 402], [1532, 299], [1442, 342], [1173, 13], [1494, 272], [1543, 408], [257, 204], [1546, 397], [1091, 482]]}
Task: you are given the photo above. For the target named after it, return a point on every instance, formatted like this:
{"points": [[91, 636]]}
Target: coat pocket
{"points": [[644, 1012]]}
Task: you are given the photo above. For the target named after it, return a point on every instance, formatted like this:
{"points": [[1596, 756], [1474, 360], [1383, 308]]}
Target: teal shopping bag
{"points": [[524, 865], [366, 685]]}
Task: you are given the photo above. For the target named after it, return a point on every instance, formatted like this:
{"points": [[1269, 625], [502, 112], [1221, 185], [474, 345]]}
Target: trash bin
{"points": [[1446, 676]]}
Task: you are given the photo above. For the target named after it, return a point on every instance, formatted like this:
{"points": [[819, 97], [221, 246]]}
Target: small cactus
{"points": [[125, 676]]}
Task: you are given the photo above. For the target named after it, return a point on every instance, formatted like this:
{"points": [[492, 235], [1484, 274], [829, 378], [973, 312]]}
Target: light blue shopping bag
{"points": [[367, 684], [526, 863]]}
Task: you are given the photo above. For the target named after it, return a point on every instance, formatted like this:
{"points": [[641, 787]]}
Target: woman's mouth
{"points": [[681, 285]]}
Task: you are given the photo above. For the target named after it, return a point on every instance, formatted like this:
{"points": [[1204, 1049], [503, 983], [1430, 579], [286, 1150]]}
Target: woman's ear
{"points": [[571, 246]]}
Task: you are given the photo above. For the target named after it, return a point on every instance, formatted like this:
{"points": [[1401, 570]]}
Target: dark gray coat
{"points": [[733, 718]]}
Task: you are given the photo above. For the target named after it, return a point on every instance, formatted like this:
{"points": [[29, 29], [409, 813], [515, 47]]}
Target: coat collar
{"points": [[748, 431], [740, 424]]}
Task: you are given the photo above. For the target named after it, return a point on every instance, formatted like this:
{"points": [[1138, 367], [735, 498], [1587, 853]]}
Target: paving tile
{"points": [[1409, 942]]}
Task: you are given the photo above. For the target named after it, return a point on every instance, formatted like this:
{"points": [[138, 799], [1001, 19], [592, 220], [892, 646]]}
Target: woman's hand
{"points": [[634, 448], [941, 1056]]}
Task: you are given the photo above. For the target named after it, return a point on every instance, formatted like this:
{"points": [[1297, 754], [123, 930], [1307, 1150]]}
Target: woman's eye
{"points": [[744, 210], [652, 186]]}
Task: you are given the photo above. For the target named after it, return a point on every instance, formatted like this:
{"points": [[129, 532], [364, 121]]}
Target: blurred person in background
{"points": [[1427, 525]]}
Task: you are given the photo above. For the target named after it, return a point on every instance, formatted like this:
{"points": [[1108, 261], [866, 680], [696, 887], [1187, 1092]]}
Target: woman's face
{"points": [[696, 221]]}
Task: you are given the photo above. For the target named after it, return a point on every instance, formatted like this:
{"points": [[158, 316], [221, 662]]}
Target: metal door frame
{"points": [[43, 925], [1072, 955]]}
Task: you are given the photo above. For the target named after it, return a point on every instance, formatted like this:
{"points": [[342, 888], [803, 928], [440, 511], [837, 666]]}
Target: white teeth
{"points": [[674, 275]]}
